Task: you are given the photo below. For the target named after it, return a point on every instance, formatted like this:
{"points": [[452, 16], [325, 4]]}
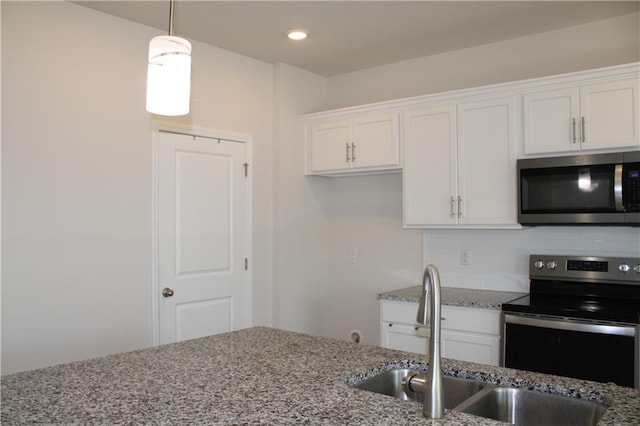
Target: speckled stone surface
{"points": [[258, 376], [453, 296]]}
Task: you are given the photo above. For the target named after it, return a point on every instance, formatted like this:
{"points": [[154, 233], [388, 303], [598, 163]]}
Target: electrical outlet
{"points": [[353, 255], [464, 257]]}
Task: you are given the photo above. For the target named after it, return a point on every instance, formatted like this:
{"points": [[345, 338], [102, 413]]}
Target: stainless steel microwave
{"points": [[592, 189]]}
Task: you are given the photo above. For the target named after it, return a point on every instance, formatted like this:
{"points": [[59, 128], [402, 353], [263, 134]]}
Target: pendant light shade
{"points": [[169, 76]]}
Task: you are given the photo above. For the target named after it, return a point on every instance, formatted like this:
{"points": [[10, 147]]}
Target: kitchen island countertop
{"points": [[256, 376], [453, 296]]}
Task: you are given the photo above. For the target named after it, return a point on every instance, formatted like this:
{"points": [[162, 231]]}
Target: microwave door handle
{"points": [[617, 188]]}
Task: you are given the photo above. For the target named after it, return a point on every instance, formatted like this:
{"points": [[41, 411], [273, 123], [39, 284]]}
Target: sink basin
{"points": [[511, 405], [391, 383], [525, 407]]}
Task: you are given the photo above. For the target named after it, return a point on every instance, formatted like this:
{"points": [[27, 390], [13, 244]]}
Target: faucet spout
{"points": [[433, 407]]}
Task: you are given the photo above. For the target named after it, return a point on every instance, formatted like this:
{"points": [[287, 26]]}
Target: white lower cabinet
{"points": [[474, 347], [404, 337], [467, 334]]}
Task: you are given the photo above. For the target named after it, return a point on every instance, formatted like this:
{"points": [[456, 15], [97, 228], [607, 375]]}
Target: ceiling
{"points": [[347, 36]]}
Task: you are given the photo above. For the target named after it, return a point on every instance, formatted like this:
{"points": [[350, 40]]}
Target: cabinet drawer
{"points": [[404, 337], [395, 311], [472, 320]]}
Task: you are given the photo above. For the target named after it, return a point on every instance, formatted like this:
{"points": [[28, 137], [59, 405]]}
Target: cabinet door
{"points": [[376, 141], [487, 187], [404, 337], [551, 121], [611, 113], [429, 171], [331, 145]]}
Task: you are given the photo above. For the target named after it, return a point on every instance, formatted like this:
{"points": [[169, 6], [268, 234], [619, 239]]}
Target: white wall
{"points": [[300, 203], [365, 212], [76, 177], [598, 44]]}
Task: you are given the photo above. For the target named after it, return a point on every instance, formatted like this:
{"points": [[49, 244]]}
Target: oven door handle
{"points": [[562, 324]]}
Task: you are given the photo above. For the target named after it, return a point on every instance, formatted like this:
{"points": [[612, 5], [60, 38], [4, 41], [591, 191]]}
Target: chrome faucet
{"points": [[433, 407]]}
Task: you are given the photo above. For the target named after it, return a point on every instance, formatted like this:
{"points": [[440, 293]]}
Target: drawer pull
{"points": [[425, 326]]}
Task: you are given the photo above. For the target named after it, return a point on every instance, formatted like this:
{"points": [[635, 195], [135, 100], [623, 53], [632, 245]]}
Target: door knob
{"points": [[167, 292]]}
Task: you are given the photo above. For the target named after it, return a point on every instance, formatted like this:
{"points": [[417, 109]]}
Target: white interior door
{"points": [[202, 281]]}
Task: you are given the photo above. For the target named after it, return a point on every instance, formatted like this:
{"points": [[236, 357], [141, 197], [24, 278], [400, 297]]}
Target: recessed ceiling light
{"points": [[297, 34]]}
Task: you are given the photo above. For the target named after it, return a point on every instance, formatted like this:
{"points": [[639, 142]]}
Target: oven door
{"points": [[598, 351]]}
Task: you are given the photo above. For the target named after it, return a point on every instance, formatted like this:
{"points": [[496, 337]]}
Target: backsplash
{"points": [[498, 259]]}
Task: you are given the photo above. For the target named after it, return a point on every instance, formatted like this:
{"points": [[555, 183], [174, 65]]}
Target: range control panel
{"points": [[585, 268]]}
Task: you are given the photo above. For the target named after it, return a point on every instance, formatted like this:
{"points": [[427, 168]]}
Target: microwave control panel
{"points": [[631, 187]]}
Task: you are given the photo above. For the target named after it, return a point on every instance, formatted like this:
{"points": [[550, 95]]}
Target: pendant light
{"points": [[169, 73]]}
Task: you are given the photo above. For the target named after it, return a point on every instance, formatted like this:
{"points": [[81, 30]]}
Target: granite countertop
{"points": [[453, 296], [257, 376]]}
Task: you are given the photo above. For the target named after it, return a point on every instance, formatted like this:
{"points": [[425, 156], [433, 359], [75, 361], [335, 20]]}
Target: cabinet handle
{"points": [[573, 130], [459, 206], [418, 327], [453, 206], [353, 151], [584, 137], [348, 158], [390, 324]]}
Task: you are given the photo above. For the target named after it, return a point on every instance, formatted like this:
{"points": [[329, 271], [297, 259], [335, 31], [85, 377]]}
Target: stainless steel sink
{"points": [[392, 383], [525, 407], [511, 405]]}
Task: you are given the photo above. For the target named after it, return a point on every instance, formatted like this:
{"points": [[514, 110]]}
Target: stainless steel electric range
{"points": [[581, 319]]}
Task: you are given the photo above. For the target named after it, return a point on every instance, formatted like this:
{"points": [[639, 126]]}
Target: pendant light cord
{"points": [[170, 17]]}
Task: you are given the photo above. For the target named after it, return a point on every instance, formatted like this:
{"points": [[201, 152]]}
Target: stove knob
{"points": [[637, 268], [552, 265], [624, 267], [538, 264]]}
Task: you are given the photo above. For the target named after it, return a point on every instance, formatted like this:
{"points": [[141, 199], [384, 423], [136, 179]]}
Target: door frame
{"points": [[157, 128]]}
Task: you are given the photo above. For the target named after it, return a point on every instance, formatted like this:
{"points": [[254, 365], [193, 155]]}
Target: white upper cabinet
{"points": [[460, 165], [430, 178], [610, 114], [361, 144], [331, 145], [487, 187], [589, 117], [457, 149], [550, 120]]}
